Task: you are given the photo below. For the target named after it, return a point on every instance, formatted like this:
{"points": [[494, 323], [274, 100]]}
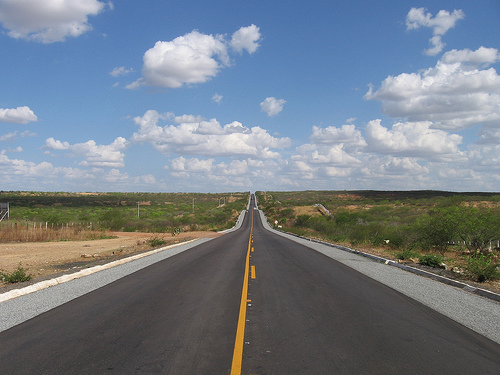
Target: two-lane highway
{"points": [[249, 302]]}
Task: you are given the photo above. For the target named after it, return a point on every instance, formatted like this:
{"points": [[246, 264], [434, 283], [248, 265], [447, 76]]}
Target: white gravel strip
{"points": [[475, 312], [17, 306]]}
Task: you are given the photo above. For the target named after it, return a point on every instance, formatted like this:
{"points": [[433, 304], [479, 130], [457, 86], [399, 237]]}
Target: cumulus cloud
{"points": [[347, 135], [482, 57], [207, 138], [485, 158], [241, 173], [15, 169], [246, 38], [455, 94], [333, 152], [192, 58], [440, 24], [181, 164], [415, 139], [272, 106], [19, 115], [94, 155], [393, 166], [188, 59], [48, 21], [332, 155]]}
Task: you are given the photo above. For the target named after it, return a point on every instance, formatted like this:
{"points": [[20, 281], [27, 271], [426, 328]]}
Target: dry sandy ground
{"points": [[42, 259]]}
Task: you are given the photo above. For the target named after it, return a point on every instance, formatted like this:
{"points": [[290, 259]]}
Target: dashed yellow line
{"points": [[252, 272], [240, 331]]}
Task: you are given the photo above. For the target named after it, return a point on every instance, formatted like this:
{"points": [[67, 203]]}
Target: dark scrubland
{"points": [[129, 212], [455, 234]]}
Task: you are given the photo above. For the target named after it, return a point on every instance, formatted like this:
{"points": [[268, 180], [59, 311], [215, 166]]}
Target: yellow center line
{"points": [[252, 273], [240, 331]]}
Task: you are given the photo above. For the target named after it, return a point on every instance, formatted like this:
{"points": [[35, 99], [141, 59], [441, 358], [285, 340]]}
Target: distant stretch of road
{"points": [[249, 302]]}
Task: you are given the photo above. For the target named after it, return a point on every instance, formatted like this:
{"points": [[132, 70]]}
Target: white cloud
{"points": [[121, 71], [485, 157], [19, 115], [53, 144], [8, 137], [20, 169], [181, 164], [246, 38], [415, 139], [217, 98], [207, 138], [192, 58], [272, 106], [48, 21], [14, 135], [188, 59], [455, 94], [347, 135], [95, 155], [394, 166], [481, 57], [242, 173], [489, 136], [440, 24]]}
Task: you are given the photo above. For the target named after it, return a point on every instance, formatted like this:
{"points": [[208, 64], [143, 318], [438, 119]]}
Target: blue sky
{"points": [[217, 96]]}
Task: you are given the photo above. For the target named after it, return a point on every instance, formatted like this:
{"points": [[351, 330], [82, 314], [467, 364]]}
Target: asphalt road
{"points": [[177, 316], [304, 313]]}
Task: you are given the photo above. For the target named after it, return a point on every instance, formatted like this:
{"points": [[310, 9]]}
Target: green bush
{"points": [[407, 254], [156, 240], [431, 260], [437, 229], [302, 220], [16, 276], [482, 268]]}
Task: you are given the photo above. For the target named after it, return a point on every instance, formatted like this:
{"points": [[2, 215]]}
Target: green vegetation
{"points": [[156, 240], [16, 276], [143, 212], [426, 227], [482, 268], [431, 260]]}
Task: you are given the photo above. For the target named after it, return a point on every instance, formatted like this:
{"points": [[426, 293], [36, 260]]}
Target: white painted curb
{"points": [[85, 272]]}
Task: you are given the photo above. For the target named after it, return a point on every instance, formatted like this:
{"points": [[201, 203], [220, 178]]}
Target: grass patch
{"points": [[18, 275], [156, 240], [431, 260], [407, 254]]}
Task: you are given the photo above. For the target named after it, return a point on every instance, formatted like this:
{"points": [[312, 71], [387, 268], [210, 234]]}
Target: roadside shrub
{"points": [[302, 220], [156, 240], [16, 276], [436, 230], [407, 254], [482, 268], [431, 260]]}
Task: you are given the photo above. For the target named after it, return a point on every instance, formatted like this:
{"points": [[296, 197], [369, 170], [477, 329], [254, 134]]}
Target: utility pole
{"points": [[138, 203]]}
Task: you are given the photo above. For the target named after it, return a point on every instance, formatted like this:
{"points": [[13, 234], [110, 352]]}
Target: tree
{"points": [[478, 228], [438, 228]]}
